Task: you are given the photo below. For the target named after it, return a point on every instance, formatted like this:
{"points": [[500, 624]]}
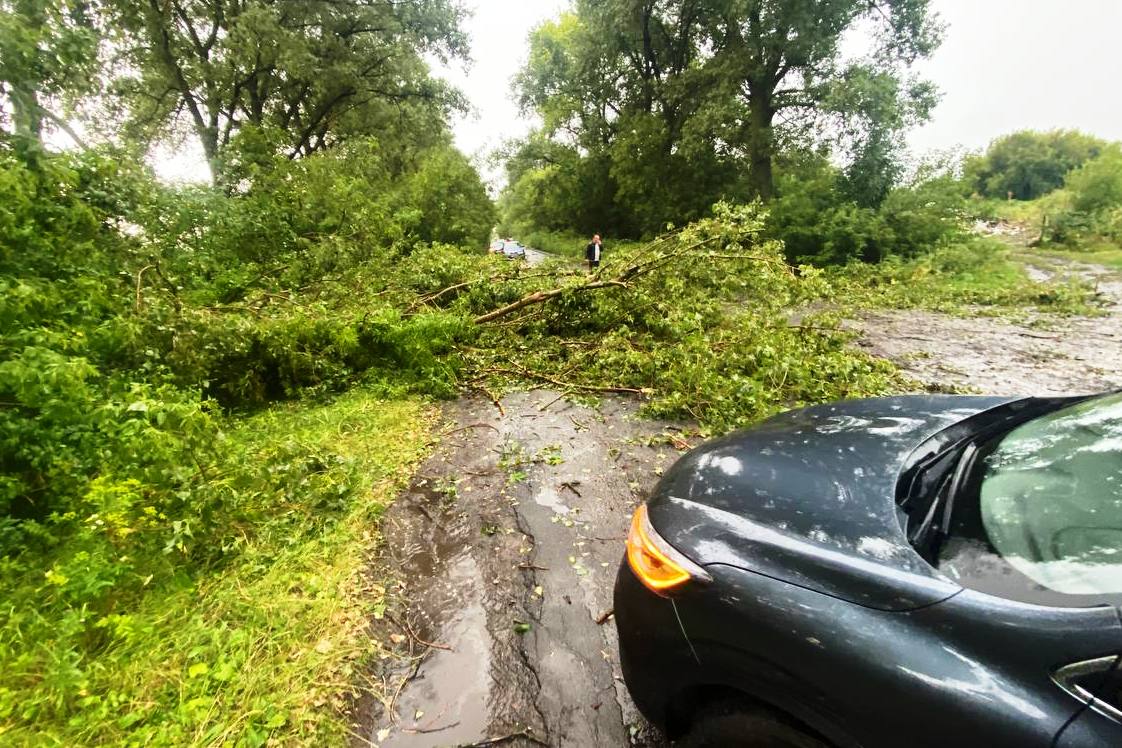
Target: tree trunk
{"points": [[760, 146], [159, 24], [27, 116]]}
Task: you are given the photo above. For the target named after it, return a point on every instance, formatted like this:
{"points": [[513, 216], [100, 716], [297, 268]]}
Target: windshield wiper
{"points": [[927, 475], [943, 480]]}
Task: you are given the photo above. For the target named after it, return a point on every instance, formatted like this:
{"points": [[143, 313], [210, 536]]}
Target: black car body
{"points": [[815, 596]]}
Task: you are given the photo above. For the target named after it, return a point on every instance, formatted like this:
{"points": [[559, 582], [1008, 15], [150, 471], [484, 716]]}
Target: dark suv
{"points": [[920, 571]]}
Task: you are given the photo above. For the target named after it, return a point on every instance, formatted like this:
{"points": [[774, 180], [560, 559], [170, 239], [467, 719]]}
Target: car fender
{"points": [[829, 662], [773, 687], [670, 673]]}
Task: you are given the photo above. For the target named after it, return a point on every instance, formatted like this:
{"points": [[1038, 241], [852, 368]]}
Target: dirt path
{"points": [[987, 354], [506, 548]]}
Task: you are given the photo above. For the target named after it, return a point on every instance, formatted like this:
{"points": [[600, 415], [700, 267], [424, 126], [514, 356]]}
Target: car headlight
{"points": [[656, 563]]}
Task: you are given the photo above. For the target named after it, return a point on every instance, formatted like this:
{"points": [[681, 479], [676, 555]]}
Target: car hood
{"points": [[809, 497]]}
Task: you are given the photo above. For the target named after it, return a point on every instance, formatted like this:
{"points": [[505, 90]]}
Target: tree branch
{"points": [[521, 371], [641, 264], [537, 297], [63, 125]]}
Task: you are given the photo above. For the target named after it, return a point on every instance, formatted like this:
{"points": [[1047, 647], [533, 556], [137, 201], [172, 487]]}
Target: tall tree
{"points": [[48, 57], [688, 95], [621, 82], [314, 70], [783, 59]]}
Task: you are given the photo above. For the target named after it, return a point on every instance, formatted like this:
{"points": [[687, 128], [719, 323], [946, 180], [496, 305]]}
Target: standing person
{"points": [[593, 251]]}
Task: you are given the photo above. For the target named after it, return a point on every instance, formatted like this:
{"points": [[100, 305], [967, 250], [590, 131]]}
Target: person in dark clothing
{"points": [[593, 251]]}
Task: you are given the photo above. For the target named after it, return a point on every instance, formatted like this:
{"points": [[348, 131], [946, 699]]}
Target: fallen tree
{"points": [[699, 241]]}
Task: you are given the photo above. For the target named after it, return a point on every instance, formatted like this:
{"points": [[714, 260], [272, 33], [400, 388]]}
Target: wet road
{"points": [[504, 553], [535, 257], [1037, 356]]}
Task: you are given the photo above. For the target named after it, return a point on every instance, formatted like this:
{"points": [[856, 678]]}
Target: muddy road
{"points": [[1039, 355], [504, 553]]}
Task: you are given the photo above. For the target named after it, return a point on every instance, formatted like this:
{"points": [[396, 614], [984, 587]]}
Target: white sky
{"points": [[499, 31], [1004, 65], [1009, 65]]}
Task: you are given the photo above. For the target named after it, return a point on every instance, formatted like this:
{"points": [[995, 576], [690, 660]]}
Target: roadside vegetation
{"points": [[981, 276], [208, 393], [1063, 188]]}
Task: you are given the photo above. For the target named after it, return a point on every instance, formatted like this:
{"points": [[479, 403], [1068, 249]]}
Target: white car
{"points": [[512, 249]]}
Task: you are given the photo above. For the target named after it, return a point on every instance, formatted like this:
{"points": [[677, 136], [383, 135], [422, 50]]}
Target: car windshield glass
{"points": [[1051, 498]]}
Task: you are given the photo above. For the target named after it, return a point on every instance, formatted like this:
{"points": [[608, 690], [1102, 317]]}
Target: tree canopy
{"points": [[676, 104], [309, 73], [1027, 164], [48, 57]]}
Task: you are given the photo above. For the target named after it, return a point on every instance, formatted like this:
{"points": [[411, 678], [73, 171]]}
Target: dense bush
{"points": [[969, 276], [819, 226], [170, 616], [1028, 164], [1085, 213], [112, 283], [291, 223], [1096, 186], [130, 313]]}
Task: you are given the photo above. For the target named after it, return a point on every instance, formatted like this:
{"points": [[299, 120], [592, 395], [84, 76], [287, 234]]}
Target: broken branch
{"points": [[537, 297], [471, 426], [404, 626], [525, 734]]}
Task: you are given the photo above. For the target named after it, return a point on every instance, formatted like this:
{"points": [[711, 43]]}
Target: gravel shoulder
{"points": [[503, 553], [1039, 356]]}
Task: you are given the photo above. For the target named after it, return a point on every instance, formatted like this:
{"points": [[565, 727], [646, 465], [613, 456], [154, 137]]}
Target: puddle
{"points": [[548, 497], [446, 703], [514, 576]]}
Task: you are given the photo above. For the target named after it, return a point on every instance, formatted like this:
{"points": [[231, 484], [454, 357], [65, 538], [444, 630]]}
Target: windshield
{"points": [[1051, 498]]}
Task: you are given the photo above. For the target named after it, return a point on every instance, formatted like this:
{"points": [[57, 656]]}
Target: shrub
{"points": [[818, 226], [1096, 186], [1028, 164]]}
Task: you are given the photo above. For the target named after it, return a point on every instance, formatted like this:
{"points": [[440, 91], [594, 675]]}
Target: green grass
{"points": [[1079, 247], [1027, 212], [977, 275], [264, 649]]}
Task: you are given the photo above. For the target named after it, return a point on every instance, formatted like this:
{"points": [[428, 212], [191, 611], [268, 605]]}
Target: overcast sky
{"points": [[1004, 65], [1013, 64]]}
